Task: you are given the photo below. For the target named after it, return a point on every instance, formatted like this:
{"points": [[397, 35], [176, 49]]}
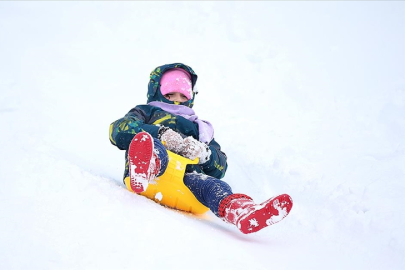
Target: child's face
{"points": [[176, 97]]}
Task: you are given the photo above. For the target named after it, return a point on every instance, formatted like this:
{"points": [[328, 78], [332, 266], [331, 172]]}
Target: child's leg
{"points": [[161, 152], [208, 190], [147, 158], [162, 155], [238, 209]]}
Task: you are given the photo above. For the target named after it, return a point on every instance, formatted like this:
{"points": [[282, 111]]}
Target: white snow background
{"points": [[307, 98]]}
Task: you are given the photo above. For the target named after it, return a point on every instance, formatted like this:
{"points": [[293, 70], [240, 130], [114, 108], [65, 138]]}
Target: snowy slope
{"points": [[307, 98]]}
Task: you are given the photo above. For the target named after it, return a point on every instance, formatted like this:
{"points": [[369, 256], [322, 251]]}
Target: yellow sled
{"points": [[169, 189]]}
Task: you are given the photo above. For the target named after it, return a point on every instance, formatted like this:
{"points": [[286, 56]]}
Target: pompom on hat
{"points": [[176, 80]]}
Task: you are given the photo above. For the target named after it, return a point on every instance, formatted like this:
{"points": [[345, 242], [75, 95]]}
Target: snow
{"points": [[159, 196], [307, 98]]}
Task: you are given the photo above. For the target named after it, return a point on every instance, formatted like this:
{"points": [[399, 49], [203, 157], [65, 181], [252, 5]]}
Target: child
{"points": [[169, 122]]}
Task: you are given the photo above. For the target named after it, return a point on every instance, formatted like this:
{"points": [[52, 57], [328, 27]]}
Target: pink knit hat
{"points": [[176, 80]]}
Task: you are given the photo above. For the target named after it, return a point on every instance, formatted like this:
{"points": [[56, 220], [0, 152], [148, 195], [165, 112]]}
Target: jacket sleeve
{"points": [[124, 129], [217, 165]]}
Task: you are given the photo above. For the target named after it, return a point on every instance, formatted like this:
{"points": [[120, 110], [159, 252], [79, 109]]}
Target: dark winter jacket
{"points": [[150, 119]]}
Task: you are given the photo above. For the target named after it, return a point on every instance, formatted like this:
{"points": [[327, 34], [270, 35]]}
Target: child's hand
{"points": [[172, 140], [193, 149]]}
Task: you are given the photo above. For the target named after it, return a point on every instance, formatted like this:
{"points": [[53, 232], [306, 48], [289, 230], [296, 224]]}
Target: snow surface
{"points": [[307, 98]]}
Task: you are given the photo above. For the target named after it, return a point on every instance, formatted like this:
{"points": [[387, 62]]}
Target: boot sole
{"points": [[265, 214], [139, 155]]}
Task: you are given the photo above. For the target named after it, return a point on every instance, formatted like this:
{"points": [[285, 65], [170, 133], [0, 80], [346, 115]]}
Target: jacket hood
{"points": [[154, 93]]}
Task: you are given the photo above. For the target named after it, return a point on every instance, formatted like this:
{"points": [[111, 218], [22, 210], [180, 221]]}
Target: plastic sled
{"points": [[169, 189]]}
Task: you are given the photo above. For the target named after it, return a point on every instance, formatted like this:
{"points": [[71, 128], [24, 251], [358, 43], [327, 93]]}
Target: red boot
{"points": [[239, 209], [144, 164]]}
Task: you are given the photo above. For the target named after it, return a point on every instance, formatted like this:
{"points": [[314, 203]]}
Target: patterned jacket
{"points": [[150, 119]]}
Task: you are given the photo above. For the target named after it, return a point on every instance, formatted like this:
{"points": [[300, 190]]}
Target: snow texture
{"points": [[307, 98]]}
